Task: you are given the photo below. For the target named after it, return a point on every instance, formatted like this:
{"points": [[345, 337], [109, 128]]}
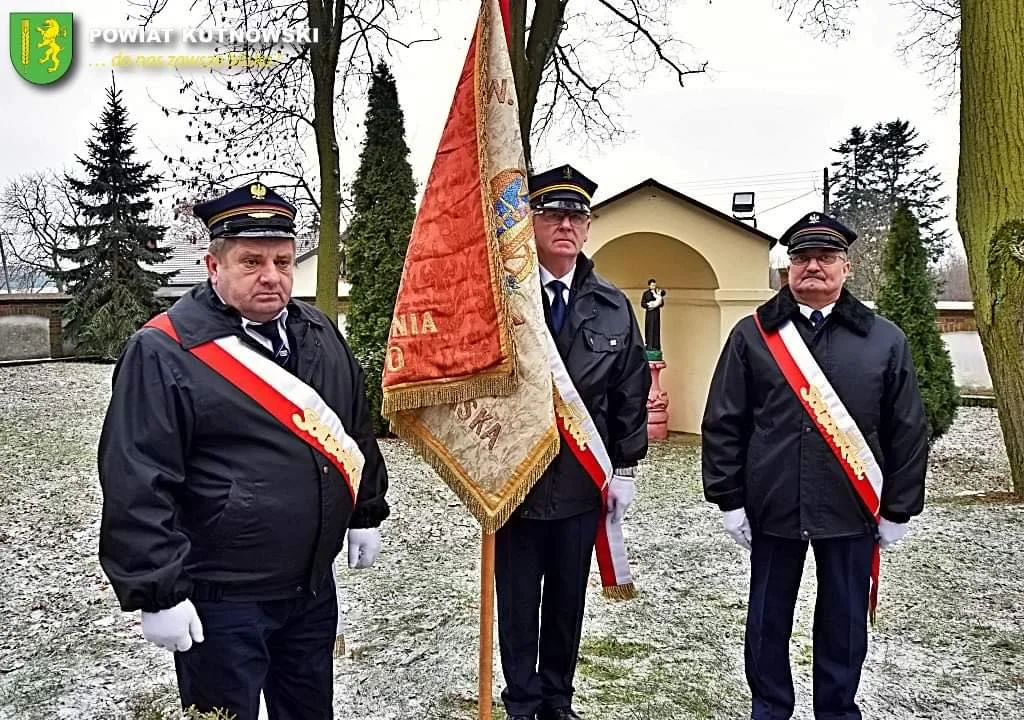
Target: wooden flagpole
{"points": [[486, 625]]}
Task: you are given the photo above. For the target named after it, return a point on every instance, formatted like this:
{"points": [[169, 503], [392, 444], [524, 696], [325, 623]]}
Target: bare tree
{"points": [[17, 276], [34, 208], [932, 38], [953, 278], [571, 69], [827, 19], [270, 112]]}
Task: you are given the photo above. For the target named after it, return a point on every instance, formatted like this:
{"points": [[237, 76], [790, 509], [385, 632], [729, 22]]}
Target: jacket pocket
{"points": [[237, 514], [755, 484], [602, 343]]}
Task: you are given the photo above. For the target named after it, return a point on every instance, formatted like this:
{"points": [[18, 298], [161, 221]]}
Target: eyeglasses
{"points": [[557, 217], [826, 259]]}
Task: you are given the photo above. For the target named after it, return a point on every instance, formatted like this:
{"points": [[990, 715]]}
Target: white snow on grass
{"points": [[948, 645]]}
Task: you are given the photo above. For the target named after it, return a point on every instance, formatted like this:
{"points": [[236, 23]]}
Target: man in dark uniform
{"points": [[550, 538], [230, 466], [768, 466], [652, 301]]}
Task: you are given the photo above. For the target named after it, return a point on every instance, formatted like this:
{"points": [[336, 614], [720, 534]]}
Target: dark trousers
{"points": [[840, 624], [539, 627], [282, 647]]}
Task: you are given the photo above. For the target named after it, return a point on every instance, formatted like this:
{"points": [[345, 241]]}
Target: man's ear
{"points": [[212, 266]]}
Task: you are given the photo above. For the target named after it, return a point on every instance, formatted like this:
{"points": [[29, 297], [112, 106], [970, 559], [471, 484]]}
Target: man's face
{"points": [[816, 275], [254, 276], [652, 285], [560, 235]]}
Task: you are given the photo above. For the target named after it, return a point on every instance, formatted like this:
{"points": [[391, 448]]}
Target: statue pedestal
{"points": [[657, 404]]}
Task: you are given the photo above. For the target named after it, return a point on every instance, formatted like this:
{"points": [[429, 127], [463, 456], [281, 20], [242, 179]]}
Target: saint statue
{"points": [[652, 301]]}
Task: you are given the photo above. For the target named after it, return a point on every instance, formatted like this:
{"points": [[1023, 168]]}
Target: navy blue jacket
{"points": [[762, 451], [202, 485], [604, 355]]}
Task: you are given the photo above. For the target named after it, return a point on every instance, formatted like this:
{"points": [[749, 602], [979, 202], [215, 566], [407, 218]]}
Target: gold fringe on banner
{"points": [[437, 457], [446, 392], [620, 592]]}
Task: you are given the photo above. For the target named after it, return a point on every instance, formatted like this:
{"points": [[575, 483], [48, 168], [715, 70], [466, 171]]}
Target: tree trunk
{"points": [[990, 199], [325, 17], [530, 56], [3, 261], [517, 54]]}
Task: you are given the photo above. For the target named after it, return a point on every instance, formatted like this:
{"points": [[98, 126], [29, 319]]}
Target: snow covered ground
{"points": [[949, 643]]}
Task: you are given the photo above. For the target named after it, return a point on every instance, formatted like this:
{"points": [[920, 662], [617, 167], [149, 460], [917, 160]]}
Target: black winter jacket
{"points": [[604, 355], [203, 486], [762, 451]]}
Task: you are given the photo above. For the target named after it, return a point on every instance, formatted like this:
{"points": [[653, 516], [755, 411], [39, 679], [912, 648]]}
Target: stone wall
{"points": [[31, 326]]}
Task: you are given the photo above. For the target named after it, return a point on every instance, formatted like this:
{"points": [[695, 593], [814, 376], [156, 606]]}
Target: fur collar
{"points": [[848, 310]]}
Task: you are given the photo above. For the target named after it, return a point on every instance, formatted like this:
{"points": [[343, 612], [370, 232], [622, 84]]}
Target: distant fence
{"points": [[956, 319], [32, 328]]}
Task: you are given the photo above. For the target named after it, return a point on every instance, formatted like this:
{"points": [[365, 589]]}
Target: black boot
{"points": [[566, 713]]}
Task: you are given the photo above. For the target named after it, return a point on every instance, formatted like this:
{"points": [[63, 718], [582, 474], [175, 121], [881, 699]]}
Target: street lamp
{"points": [[743, 206]]}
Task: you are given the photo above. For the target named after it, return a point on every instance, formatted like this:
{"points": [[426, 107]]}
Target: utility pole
{"points": [[824, 208], [3, 261]]}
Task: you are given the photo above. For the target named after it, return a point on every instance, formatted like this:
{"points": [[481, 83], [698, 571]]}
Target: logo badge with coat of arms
{"points": [[41, 45]]}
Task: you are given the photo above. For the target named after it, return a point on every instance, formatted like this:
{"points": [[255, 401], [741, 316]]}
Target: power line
{"points": [[754, 185], [760, 193], [751, 177], [787, 202]]}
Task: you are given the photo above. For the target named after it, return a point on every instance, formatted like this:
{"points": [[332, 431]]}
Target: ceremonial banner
{"points": [[466, 375]]}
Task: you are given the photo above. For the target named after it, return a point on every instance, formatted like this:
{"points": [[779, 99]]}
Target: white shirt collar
{"points": [[281, 318], [546, 276], [806, 310], [261, 339]]}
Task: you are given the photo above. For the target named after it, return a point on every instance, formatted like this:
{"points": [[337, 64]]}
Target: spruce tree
{"points": [[877, 170], [907, 297], [900, 175], [857, 204], [112, 293], [384, 194]]}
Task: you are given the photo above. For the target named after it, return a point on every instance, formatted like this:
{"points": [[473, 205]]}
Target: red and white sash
{"points": [[833, 421], [579, 433], [292, 402]]}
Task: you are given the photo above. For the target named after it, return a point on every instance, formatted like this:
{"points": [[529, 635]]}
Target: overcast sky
{"points": [[763, 119]]}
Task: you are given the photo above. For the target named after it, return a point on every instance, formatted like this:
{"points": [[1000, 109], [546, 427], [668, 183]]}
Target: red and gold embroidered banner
{"points": [[466, 377]]}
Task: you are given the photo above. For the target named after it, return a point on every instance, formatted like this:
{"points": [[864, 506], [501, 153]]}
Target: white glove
{"points": [[621, 493], [738, 527], [363, 546], [175, 628], [890, 533]]}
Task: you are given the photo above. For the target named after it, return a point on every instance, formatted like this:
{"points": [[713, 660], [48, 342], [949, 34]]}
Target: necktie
{"points": [[817, 318], [557, 305], [272, 333]]}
